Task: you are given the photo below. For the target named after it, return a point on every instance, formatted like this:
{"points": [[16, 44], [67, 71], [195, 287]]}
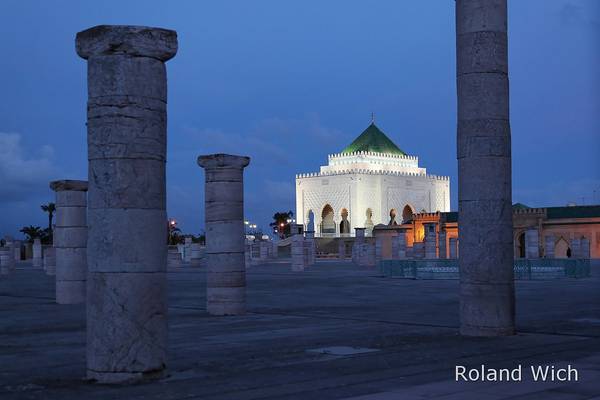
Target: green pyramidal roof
{"points": [[372, 139]]}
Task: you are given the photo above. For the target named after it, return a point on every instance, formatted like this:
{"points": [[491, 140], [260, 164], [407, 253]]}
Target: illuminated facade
{"points": [[370, 182]]}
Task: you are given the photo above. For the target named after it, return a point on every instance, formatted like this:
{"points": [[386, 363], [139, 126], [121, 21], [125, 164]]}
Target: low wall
{"points": [[539, 268]]}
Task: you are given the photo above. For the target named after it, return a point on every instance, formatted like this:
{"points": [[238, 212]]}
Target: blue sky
{"points": [[288, 83]]}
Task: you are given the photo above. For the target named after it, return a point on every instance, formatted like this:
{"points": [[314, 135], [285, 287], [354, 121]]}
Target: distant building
{"points": [[550, 232], [370, 182]]}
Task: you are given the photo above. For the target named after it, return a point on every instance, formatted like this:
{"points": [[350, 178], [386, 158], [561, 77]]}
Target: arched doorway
{"points": [[344, 224], [327, 222], [392, 217], [521, 245], [562, 249], [407, 213]]}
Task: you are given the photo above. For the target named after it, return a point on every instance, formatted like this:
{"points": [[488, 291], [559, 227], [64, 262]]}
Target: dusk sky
{"points": [[288, 83]]}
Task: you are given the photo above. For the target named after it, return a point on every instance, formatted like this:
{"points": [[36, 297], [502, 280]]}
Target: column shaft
{"points": [[127, 250], [70, 241], [487, 305], [225, 239]]}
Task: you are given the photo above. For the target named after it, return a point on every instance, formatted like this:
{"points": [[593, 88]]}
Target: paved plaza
{"points": [[333, 331]]}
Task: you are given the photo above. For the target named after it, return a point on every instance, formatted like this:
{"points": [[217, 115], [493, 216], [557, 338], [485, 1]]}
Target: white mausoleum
{"points": [[370, 182]]}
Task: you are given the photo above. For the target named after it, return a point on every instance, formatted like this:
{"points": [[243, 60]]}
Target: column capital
{"points": [[216, 161], [134, 41], [67, 184]]}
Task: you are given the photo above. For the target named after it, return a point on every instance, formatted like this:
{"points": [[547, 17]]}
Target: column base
{"points": [[125, 377]]}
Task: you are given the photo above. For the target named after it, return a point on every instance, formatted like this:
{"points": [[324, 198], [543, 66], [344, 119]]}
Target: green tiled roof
{"points": [[373, 139], [573, 212], [520, 206]]}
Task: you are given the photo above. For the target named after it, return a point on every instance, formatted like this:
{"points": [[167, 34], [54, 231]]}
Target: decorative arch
{"points": [[310, 220], [393, 214], [520, 245], [562, 248], [344, 223], [327, 220], [407, 213]]}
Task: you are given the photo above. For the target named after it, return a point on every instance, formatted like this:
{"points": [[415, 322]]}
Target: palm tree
{"points": [[281, 222], [50, 208], [32, 232]]}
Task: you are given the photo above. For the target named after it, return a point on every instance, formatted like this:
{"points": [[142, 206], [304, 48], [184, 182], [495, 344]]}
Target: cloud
{"points": [[23, 173], [269, 142]]}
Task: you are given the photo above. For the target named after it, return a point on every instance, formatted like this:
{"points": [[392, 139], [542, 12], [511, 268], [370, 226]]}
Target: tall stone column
{"points": [[549, 241], [487, 300], [532, 245], [70, 241], [225, 239], [127, 249], [430, 241]]}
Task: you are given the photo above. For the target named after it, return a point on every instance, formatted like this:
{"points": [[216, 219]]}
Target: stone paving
{"points": [[299, 337]]}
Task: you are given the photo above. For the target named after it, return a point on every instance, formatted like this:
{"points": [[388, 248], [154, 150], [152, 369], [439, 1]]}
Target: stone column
{"points": [[275, 249], [225, 239], [549, 241], [357, 247], [532, 246], [196, 255], [10, 248], [37, 253], [453, 248], [311, 247], [297, 250], [173, 257], [5, 256], [487, 300], [127, 249], [17, 248], [263, 250], [430, 241], [50, 261], [248, 254], [442, 246], [187, 250], [70, 240], [341, 249]]}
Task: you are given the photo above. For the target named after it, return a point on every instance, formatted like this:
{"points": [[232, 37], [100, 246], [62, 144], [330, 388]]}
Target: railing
{"points": [[534, 269]]}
